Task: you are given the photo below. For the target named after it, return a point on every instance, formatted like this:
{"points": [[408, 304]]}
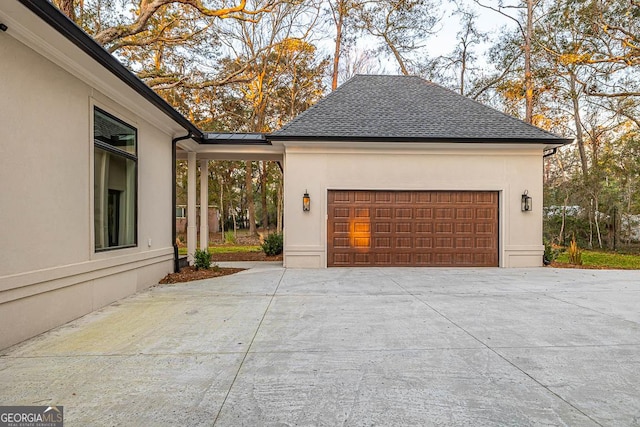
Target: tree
{"points": [[401, 26], [457, 69]]}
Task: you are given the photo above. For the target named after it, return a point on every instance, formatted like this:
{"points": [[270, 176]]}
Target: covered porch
{"points": [[212, 147]]}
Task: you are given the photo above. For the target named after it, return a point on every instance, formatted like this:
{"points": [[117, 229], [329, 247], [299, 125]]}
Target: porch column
{"points": [[192, 230], [204, 204]]}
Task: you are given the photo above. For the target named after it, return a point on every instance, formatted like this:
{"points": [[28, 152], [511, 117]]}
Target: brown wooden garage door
{"points": [[412, 228]]}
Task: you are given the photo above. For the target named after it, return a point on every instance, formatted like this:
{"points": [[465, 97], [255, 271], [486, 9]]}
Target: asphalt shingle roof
{"points": [[406, 108]]}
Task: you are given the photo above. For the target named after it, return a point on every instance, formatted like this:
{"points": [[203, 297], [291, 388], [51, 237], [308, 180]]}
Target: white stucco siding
{"points": [[44, 152], [50, 272], [509, 171]]}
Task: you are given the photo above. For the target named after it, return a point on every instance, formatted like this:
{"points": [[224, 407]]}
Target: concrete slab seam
{"points": [[591, 309], [244, 357], [417, 297]]}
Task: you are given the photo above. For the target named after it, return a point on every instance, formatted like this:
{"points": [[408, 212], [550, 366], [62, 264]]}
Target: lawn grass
{"points": [[605, 259], [227, 249]]}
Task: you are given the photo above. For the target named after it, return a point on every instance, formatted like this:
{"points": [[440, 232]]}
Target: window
{"points": [[115, 182], [181, 212]]}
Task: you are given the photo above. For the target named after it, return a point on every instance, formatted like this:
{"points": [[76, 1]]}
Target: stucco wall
{"points": [[509, 170], [49, 271]]}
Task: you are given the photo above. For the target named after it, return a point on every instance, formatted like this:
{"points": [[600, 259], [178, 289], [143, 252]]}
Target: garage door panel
{"points": [[341, 197], [382, 242], [361, 242], [383, 213], [403, 243], [443, 227], [404, 228], [490, 198], [342, 242], [361, 227], [423, 243], [382, 227], [464, 197], [362, 213], [464, 243], [403, 213], [362, 197], [464, 213], [383, 258], [424, 228], [362, 258], [444, 213], [404, 197], [341, 212], [423, 213]]}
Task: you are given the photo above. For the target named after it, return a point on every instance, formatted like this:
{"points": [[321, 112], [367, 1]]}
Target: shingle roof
{"points": [[406, 108]]}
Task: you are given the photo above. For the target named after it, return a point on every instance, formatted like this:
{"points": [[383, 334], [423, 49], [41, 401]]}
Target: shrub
{"points": [[272, 244], [230, 237], [202, 259], [575, 254], [550, 253]]}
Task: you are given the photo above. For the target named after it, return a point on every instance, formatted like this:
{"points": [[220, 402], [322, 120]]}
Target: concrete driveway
{"points": [[356, 347]]}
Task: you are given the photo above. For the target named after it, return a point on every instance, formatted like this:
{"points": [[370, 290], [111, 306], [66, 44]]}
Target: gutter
{"points": [[550, 153]]}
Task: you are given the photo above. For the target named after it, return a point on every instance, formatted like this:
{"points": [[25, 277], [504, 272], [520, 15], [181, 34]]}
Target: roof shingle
{"points": [[407, 108]]}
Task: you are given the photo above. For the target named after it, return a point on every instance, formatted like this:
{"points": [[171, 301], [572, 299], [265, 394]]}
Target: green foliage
{"points": [[550, 253], [230, 237], [202, 259], [273, 244], [606, 260]]}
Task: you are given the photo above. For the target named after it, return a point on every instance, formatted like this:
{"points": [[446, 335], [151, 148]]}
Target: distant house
{"points": [[385, 171]]}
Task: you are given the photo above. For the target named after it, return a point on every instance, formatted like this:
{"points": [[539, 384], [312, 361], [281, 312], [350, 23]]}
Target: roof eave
{"points": [[57, 20], [551, 142]]}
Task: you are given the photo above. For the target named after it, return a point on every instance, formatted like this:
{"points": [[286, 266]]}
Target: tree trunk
{"points": [[336, 54], [595, 215], [578, 124], [528, 80], [250, 203], [396, 54]]}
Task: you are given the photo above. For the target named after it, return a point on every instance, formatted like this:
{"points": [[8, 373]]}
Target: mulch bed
{"points": [[188, 274]]}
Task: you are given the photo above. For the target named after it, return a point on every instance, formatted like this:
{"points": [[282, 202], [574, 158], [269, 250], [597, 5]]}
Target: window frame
{"points": [[127, 156]]}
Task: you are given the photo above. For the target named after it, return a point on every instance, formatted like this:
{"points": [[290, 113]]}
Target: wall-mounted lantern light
{"points": [[526, 201], [306, 202]]}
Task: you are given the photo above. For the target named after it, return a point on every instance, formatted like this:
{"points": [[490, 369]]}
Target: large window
{"points": [[115, 182]]}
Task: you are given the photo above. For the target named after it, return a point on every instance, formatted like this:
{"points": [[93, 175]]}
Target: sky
{"points": [[444, 41]]}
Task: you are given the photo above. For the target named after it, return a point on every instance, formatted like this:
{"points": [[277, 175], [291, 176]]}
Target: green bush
{"points": [[202, 259], [230, 237], [550, 253], [272, 244]]}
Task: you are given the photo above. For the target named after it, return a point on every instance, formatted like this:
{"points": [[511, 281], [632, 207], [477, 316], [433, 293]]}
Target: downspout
{"points": [[174, 198]]}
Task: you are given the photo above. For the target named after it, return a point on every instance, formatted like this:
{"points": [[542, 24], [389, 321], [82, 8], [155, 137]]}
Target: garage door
{"points": [[412, 228]]}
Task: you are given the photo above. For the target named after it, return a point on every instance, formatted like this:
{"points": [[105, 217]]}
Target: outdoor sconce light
{"points": [[526, 201], [306, 202]]}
